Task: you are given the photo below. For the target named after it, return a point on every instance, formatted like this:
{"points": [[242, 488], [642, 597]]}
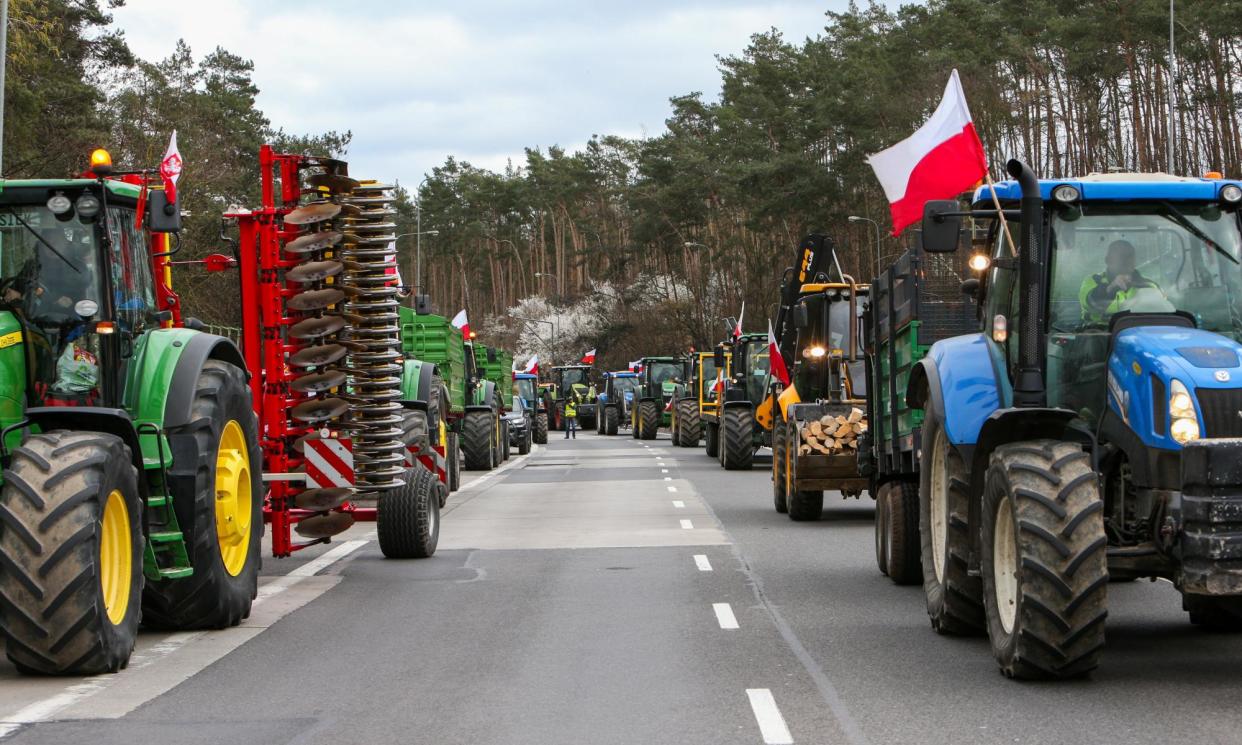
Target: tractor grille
{"points": [[1222, 411]]}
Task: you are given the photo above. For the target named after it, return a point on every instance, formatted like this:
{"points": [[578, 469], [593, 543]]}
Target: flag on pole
{"points": [[942, 159], [532, 366], [737, 330], [776, 363], [170, 168], [636, 365], [589, 358], [459, 322]]}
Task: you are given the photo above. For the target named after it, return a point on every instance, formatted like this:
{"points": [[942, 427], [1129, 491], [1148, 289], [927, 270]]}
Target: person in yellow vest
{"points": [[1101, 295], [571, 417]]}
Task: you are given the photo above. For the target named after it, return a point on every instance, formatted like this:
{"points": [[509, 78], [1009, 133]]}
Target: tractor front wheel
{"points": [[690, 426], [1045, 573], [407, 519], [221, 489], [478, 440], [70, 554], [738, 423], [541, 428], [649, 419], [610, 420]]}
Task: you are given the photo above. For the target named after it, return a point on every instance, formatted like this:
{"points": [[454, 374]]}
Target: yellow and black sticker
{"points": [[10, 339]]}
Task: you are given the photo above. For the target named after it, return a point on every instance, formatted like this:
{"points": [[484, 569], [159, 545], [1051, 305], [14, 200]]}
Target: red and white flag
{"points": [[776, 363], [170, 168], [737, 330], [636, 365], [459, 322], [939, 161], [589, 358], [532, 366]]}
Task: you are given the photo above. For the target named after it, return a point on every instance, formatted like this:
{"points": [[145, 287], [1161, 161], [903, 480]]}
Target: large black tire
{"points": [[682, 434], [711, 440], [805, 506], [506, 448], [1045, 572], [648, 419], [954, 597], [611, 415], [881, 528], [452, 461], [691, 428], [540, 430], [738, 430], [779, 464], [524, 445], [675, 430], [220, 591], [901, 541], [415, 429], [478, 440], [599, 421], [53, 611], [407, 519]]}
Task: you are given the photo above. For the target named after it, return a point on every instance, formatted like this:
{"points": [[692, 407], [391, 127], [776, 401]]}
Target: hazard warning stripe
{"points": [[330, 462]]}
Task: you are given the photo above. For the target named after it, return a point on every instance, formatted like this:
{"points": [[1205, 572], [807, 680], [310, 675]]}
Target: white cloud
{"points": [[478, 79]]}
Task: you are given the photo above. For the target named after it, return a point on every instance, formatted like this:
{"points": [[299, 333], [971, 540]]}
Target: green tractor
{"points": [[575, 380], [132, 483], [495, 366], [734, 432], [659, 378]]}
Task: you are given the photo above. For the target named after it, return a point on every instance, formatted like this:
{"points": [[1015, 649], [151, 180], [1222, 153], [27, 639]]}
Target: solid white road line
{"points": [[724, 615], [687, 525], [679, 504], [700, 560], [771, 723], [663, 470], [672, 488]]}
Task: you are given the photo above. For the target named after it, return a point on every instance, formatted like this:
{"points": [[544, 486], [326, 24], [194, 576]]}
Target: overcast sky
{"points": [[418, 80]]}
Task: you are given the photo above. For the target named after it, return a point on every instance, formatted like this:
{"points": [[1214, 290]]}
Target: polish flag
{"points": [[589, 358], [533, 365], [776, 363], [636, 365], [737, 330], [170, 168], [939, 161], [459, 322]]}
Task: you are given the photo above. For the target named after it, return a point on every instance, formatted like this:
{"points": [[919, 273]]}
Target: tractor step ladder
{"points": [[165, 556]]}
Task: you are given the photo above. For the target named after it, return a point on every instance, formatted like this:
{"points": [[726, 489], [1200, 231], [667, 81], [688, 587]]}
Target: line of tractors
{"points": [[1043, 394]]}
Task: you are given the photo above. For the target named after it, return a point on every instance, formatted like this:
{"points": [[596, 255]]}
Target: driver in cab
{"points": [[1101, 295]]}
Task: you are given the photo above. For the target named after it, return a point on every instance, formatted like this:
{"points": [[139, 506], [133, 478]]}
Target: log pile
{"points": [[832, 435]]}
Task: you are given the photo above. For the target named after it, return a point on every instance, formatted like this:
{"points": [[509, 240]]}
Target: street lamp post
{"points": [[878, 245], [418, 254]]}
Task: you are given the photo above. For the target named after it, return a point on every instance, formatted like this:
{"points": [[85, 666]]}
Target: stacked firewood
{"points": [[831, 435]]}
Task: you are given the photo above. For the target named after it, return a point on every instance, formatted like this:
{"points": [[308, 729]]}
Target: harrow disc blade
{"points": [[313, 328], [319, 382], [324, 526], [314, 271], [324, 354], [312, 242], [316, 299], [309, 214], [322, 499], [336, 183], [319, 410]]}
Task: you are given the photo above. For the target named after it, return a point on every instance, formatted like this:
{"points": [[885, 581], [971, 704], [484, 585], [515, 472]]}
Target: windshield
{"points": [[525, 387], [1145, 258], [757, 363], [574, 376], [624, 385], [662, 372]]}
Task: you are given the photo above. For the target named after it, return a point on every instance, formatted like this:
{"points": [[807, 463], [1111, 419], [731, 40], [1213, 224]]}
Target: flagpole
{"points": [[1013, 251]]}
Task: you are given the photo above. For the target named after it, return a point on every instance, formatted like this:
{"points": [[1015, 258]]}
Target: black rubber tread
{"points": [[540, 429], [506, 449], [882, 528], [415, 429], [1063, 577], [407, 519], [675, 429], [711, 440], [779, 501], [738, 425], [611, 419], [805, 506], [955, 606], [524, 445], [452, 460], [691, 426], [52, 614], [1222, 614], [599, 420], [901, 543], [649, 419], [211, 598], [478, 433]]}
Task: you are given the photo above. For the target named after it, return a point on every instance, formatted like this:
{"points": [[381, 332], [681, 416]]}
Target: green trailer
{"points": [[496, 367]]}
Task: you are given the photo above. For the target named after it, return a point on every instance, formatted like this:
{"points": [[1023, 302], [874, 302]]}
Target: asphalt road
{"points": [[606, 590]]}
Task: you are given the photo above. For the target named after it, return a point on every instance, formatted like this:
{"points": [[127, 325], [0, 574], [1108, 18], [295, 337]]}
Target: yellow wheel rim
{"points": [[116, 557], [234, 507]]}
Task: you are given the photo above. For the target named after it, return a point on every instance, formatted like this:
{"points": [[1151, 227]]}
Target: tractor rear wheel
{"points": [[739, 438], [1045, 573], [954, 597], [649, 419], [901, 539], [779, 464], [610, 420], [881, 528], [70, 554], [407, 519], [221, 491], [691, 429], [541, 428], [712, 440], [506, 447], [478, 440]]}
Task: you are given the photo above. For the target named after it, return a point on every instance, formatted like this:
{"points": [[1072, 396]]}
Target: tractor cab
{"points": [[659, 378], [77, 285], [526, 385], [828, 362], [749, 369]]}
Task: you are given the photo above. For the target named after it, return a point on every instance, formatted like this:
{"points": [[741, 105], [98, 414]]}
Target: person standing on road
{"points": [[571, 417]]}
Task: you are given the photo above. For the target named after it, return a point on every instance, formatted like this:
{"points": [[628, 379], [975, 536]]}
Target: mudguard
{"points": [[416, 380], [484, 392], [963, 394], [94, 419]]}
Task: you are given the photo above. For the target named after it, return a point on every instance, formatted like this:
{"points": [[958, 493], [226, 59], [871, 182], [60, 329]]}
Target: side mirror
{"points": [[422, 305], [971, 287], [163, 216], [719, 358], [941, 231], [191, 322], [801, 317]]}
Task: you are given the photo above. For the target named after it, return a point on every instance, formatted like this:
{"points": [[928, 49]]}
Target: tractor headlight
{"points": [[1066, 194], [1231, 193], [1184, 422], [814, 352]]}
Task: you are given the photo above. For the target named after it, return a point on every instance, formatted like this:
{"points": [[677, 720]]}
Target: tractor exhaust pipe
{"points": [[1028, 385]]}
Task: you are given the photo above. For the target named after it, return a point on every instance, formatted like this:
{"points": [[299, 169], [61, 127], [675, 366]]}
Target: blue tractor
{"points": [[1091, 429]]}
